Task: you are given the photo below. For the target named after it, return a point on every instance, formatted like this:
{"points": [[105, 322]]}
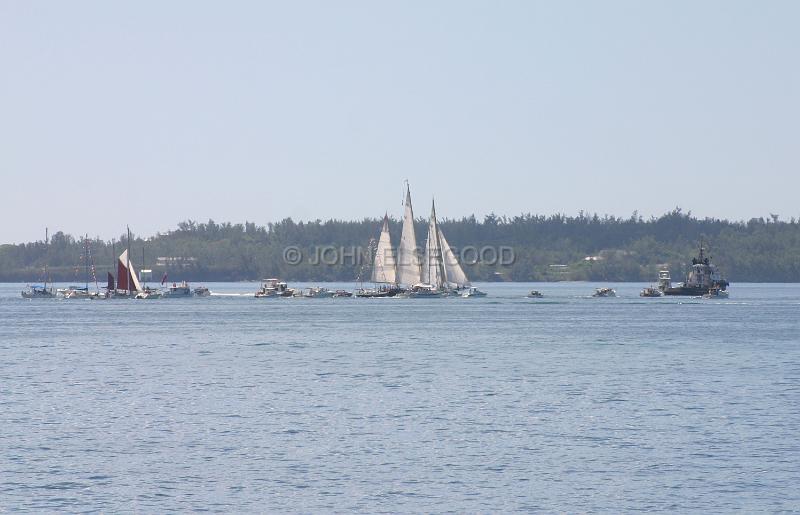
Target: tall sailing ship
{"points": [[437, 274]]}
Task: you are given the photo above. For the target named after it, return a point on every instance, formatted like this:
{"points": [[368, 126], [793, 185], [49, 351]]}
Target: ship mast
{"points": [[128, 255], [46, 248], [439, 258], [86, 260], [113, 260]]}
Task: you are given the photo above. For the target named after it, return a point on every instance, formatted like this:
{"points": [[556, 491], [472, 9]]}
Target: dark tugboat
{"points": [[701, 279]]}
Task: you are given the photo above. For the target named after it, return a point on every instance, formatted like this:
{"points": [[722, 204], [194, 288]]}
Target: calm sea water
{"points": [[500, 404]]}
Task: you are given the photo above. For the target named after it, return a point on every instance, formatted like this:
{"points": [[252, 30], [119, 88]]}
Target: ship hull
{"points": [[377, 294], [686, 291]]}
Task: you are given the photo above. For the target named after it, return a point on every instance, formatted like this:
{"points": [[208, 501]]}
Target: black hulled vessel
{"points": [[702, 278]]}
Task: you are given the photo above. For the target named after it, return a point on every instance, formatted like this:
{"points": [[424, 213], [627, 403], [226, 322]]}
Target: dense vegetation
{"points": [[630, 249]]}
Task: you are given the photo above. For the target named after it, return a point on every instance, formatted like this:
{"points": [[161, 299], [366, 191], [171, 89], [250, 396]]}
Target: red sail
{"points": [[122, 274], [126, 274]]}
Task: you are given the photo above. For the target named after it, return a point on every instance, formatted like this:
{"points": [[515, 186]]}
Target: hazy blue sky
{"points": [[149, 113]]}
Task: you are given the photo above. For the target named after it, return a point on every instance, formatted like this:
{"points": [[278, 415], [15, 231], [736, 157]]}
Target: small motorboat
{"points": [[37, 291], [535, 294], [178, 290], [342, 293], [473, 292], [651, 291], [716, 293], [273, 288], [148, 294], [378, 293], [318, 293], [423, 291], [604, 292], [201, 291], [78, 292]]}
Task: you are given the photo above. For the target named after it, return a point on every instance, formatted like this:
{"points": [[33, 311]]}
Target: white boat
{"points": [[716, 293], [76, 293], [178, 290], [535, 294], [148, 294], [651, 291], [473, 292], [38, 291], [422, 290], [318, 293], [201, 291], [274, 288], [664, 281], [604, 292]]}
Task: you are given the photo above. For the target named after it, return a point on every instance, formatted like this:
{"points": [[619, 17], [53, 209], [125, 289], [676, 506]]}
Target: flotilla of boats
{"points": [[408, 273], [126, 284]]}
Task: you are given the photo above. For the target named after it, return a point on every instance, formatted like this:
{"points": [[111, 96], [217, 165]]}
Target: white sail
{"points": [[408, 265], [433, 271], [455, 274], [383, 267]]}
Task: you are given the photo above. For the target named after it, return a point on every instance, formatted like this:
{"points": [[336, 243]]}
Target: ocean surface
{"points": [[500, 404]]}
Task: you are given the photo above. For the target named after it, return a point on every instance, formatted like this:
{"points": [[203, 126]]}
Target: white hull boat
{"points": [[148, 294], [37, 291], [604, 292], [178, 290], [319, 293], [274, 289], [473, 292]]}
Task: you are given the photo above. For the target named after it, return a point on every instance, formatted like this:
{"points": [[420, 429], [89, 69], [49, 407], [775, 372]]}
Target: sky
{"points": [[149, 113]]}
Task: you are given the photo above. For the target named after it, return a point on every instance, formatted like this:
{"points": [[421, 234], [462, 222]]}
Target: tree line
{"points": [[545, 248]]}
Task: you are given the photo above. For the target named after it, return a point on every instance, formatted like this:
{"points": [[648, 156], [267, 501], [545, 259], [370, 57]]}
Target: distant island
{"points": [[545, 248]]}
